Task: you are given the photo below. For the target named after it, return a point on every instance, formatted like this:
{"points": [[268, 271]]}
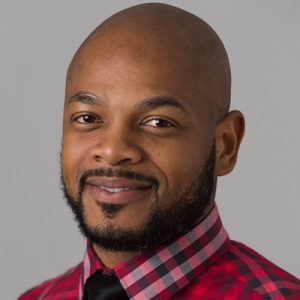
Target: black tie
{"points": [[104, 287]]}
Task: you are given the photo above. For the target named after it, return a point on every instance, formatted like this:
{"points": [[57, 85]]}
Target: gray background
{"points": [[259, 201]]}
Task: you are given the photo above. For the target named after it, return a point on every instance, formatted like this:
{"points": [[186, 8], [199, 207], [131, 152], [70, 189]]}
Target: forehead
{"points": [[125, 63]]}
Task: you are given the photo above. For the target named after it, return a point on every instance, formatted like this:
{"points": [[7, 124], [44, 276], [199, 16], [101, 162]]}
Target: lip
{"points": [[131, 190]]}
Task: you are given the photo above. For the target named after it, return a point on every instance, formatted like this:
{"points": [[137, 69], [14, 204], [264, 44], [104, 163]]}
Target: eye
{"points": [[158, 122], [86, 119]]}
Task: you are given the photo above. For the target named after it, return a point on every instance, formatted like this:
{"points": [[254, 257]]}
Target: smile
{"points": [[117, 190]]}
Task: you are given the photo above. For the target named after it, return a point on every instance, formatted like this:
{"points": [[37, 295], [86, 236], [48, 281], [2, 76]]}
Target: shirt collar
{"points": [[161, 272]]}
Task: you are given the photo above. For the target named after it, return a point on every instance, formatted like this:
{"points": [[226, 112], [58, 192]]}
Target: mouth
{"points": [[117, 190]]}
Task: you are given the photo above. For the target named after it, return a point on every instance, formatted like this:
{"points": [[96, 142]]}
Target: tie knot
{"points": [[101, 286]]}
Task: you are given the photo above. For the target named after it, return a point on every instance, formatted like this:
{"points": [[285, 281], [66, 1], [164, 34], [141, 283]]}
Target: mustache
{"points": [[109, 172]]}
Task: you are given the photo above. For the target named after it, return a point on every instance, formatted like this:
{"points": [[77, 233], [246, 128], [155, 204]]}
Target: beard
{"points": [[162, 226]]}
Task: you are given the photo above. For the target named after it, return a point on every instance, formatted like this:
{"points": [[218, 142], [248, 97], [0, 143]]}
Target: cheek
{"points": [[71, 161], [180, 165]]}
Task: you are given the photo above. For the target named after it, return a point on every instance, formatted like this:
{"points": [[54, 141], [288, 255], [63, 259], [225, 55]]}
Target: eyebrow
{"points": [[162, 101], [86, 98], [152, 102]]}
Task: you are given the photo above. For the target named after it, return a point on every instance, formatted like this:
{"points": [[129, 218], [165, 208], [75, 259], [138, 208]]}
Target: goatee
{"points": [[162, 226]]}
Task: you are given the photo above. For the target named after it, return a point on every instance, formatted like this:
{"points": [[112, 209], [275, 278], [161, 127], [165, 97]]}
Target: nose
{"points": [[116, 147]]}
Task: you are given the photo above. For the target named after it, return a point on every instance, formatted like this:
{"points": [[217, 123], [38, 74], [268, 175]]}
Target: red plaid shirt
{"points": [[202, 264]]}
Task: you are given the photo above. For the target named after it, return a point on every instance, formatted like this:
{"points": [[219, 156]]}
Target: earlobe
{"points": [[229, 135]]}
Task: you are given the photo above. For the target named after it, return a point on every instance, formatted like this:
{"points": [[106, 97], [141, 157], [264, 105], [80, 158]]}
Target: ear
{"points": [[229, 135]]}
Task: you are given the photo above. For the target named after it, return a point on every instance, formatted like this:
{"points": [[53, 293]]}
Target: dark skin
{"points": [[153, 99]]}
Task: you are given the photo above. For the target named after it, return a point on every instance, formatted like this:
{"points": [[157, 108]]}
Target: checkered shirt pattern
{"points": [[202, 264]]}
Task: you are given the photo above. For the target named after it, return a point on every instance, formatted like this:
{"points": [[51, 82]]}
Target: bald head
{"points": [[172, 38], [147, 97]]}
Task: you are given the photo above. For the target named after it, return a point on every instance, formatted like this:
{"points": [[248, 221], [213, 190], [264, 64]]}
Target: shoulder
{"points": [[242, 273], [258, 274], [65, 285]]}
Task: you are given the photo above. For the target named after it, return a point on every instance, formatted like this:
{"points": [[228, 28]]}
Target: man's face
{"points": [[138, 145]]}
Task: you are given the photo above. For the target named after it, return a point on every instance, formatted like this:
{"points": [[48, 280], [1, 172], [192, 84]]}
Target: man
{"points": [[147, 131]]}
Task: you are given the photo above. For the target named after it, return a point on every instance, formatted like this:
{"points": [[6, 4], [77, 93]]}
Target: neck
{"points": [[111, 259]]}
